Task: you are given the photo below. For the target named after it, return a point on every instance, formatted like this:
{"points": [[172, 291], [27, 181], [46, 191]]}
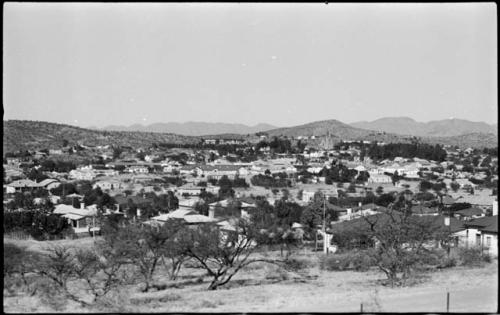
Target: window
{"points": [[488, 241], [478, 239]]}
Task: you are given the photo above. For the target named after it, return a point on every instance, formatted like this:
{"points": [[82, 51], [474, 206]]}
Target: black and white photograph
{"points": [[250, 157]]}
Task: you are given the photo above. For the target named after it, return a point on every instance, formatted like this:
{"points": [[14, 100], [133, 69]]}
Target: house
{"points": [[188, 204], [55, 151], [123, 201], [190, 190], [360, 211], [12, 172], [437, 224], [191, 170], [82, 174], [137, 169], [54, 199], [108, 184], [480, 233], [379, 178], [229, 207], [469, 214], [307, 196], [189, 217], [20, 186], [217, 171], [421, 210], [81, 219], [49, 183], [447, 201]]}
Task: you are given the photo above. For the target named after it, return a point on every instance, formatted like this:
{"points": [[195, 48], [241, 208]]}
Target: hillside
{"points": [[473, 140], [441, 128], [336, 131], [194, 128], [33, 135], [24, 135], [332, 127]]}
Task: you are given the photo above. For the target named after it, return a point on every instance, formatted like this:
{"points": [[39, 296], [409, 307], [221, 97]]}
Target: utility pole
{"points": [[325, 245]]}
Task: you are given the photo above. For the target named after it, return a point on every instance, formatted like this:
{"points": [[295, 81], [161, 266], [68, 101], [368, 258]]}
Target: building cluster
{"points": [[132, 175]]}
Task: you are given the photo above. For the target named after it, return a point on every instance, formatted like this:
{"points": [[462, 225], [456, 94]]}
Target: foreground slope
{"points": [[29, 135]]}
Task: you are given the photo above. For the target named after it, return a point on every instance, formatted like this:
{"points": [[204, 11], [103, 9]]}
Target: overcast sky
{"points": [[284, 64]]}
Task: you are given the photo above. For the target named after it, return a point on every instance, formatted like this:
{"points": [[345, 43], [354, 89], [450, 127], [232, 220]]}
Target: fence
{"points": [[447, 299], [18, 235]]}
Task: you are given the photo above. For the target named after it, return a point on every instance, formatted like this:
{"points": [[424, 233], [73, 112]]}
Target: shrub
{"points": [[448, 262], [472, 257], [352, 260], [333, 263], [295, 264], [277, 275]]}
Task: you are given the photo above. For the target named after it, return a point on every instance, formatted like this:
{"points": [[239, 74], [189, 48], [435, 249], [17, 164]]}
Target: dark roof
{"points": [[437, 221], [138, 200], [447, 200], [492, 228], [470, 212], [371, 206], [421, 209], [487, 224]]}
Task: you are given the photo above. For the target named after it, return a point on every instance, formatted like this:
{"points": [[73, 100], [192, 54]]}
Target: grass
{"points": [[269, 288]]}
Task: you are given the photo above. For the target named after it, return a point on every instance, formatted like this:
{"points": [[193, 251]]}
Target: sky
{"points": [[285, 64]]}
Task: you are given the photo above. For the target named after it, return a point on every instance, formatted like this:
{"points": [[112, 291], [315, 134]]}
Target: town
{"points": [[250, 157], [67, 193]]}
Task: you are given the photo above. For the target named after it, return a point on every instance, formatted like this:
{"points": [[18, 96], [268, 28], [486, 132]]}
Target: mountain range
{"points": [[192, 128], [28, 135], [397, 125], [438, 128]]}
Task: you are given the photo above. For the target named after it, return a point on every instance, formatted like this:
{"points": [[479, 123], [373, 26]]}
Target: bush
{"points": [[295, 264], [472, 257], [333, 263], [277, 275], [353, 260], [448, 262]]}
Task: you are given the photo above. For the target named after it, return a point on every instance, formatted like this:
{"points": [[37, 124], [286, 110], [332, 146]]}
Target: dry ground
{"points": [[266, 288]]}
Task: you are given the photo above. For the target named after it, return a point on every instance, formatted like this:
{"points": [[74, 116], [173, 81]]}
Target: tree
{"points": [[287, 212], [454, 186], [174, 250], [351, 188], [362, 177], [117, 151], [395, 178], [202, 208], [379, 190], [223, 253], [425, 185], [226, 187], [142, 245], [400, 239]]}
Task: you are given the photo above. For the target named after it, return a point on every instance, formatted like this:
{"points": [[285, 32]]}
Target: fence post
{"points": [[361, 308], [447, 302]]}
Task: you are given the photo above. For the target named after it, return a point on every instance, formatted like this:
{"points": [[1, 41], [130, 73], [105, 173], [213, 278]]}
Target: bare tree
{"points": [[223, 252], [402, 240], [145, 246]]}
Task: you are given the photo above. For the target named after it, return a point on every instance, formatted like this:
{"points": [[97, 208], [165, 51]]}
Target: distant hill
{"points": [[473, 140], [331, 131], [328, 132], [32, 135], [194, 128], [332, 128], [441, 128]]}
